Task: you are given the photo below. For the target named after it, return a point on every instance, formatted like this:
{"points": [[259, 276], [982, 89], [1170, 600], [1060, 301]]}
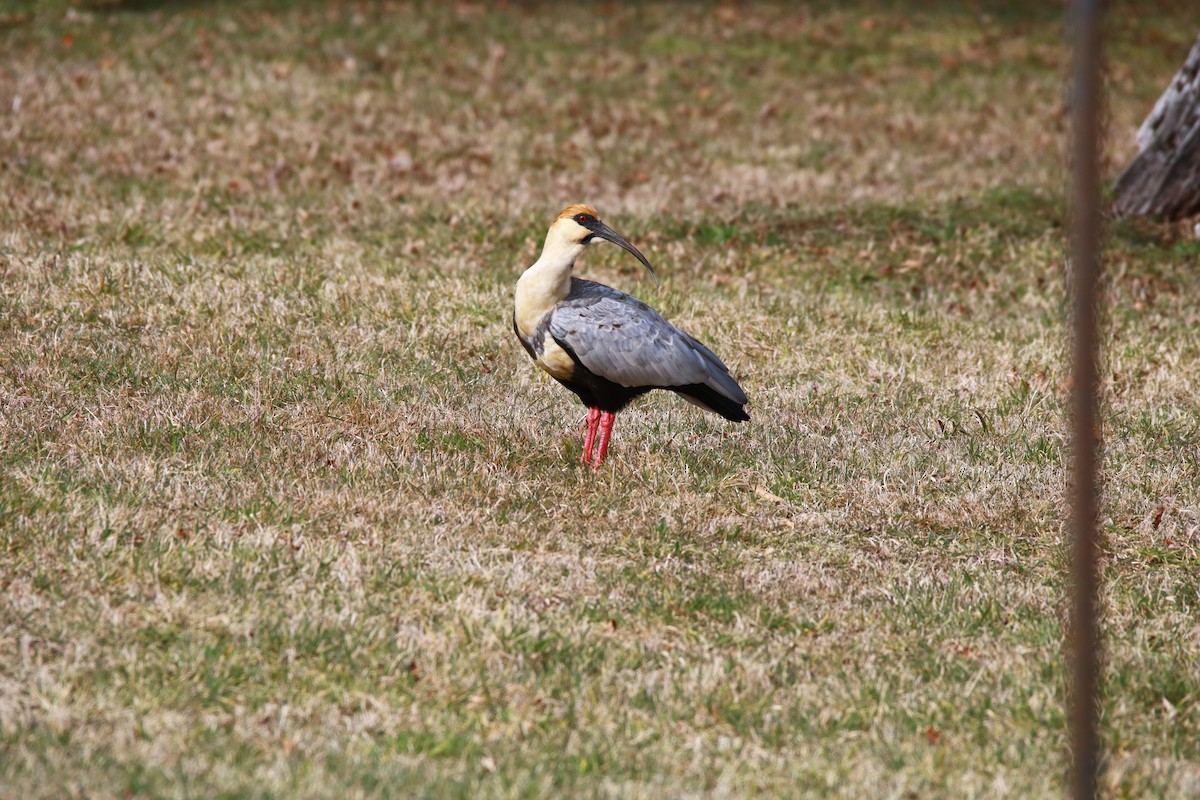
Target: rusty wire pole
{"points": [[1085, 261]]}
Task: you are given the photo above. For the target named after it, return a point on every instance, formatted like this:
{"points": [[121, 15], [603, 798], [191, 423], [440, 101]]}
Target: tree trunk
{"points": [[1164, 179]]}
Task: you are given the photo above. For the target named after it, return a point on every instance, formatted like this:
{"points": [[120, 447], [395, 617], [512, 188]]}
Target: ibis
{"points": [[607, 346]]}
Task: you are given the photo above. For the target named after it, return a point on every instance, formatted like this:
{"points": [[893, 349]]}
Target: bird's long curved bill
{"points": [[602, 231]]}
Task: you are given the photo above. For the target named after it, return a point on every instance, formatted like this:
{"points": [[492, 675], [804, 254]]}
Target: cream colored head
{"points": [[577, 226], [572, 223]]}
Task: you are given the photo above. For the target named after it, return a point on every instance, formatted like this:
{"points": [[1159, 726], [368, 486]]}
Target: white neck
{"points": [[547, 282]]}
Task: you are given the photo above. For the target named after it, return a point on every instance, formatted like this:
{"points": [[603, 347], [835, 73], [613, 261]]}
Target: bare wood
{"points": [[1164, 179]]}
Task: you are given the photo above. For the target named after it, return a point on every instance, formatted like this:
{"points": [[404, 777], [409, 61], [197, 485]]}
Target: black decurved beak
{"points": [[601, 231]]}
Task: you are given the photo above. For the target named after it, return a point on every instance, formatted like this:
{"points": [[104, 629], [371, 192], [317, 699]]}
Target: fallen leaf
{"points": [[1169, 707], [767, 494]]}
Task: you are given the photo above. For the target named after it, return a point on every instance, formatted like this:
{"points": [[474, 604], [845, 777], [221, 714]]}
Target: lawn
{"points": [[287, 512]]}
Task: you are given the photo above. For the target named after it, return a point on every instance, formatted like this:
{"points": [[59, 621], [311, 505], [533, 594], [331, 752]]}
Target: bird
{"points": [[604, 345]]}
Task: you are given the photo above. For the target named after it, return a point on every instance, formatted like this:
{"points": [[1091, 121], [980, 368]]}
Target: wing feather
{"points": [[621, 339]]}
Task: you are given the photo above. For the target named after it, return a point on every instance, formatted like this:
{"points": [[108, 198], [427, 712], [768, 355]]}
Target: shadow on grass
{"points": [[1008, 11], [1140, 233], [149, 6], [1014, 211]]}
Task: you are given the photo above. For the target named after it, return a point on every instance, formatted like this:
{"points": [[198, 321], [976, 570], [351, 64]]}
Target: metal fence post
{"points": [[1085, 261]]}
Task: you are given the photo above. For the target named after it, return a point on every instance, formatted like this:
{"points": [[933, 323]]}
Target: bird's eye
{"points": [[584, 219]]}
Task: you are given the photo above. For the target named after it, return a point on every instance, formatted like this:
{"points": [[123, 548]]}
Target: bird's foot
{"points": [[589, 435], [606, 420]]}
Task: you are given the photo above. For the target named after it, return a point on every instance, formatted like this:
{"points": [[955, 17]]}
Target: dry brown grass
{"points": [[285, 510]]}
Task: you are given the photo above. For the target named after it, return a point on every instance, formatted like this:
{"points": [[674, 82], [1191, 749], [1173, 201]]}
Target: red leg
{"points": [[606, 424], [589, 436]]}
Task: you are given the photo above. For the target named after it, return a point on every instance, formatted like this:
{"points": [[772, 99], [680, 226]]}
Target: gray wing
{"points": [[620, 338]]}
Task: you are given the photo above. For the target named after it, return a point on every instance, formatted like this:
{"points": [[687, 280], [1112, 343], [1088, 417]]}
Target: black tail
{"points": [[706, 397]]}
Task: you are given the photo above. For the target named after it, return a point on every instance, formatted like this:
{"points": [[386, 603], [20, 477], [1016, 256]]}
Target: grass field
{"points": [[285, 510]]}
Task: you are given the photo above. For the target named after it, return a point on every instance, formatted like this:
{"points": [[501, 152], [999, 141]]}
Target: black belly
{"points": [[601, 393], [597, 392]]}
